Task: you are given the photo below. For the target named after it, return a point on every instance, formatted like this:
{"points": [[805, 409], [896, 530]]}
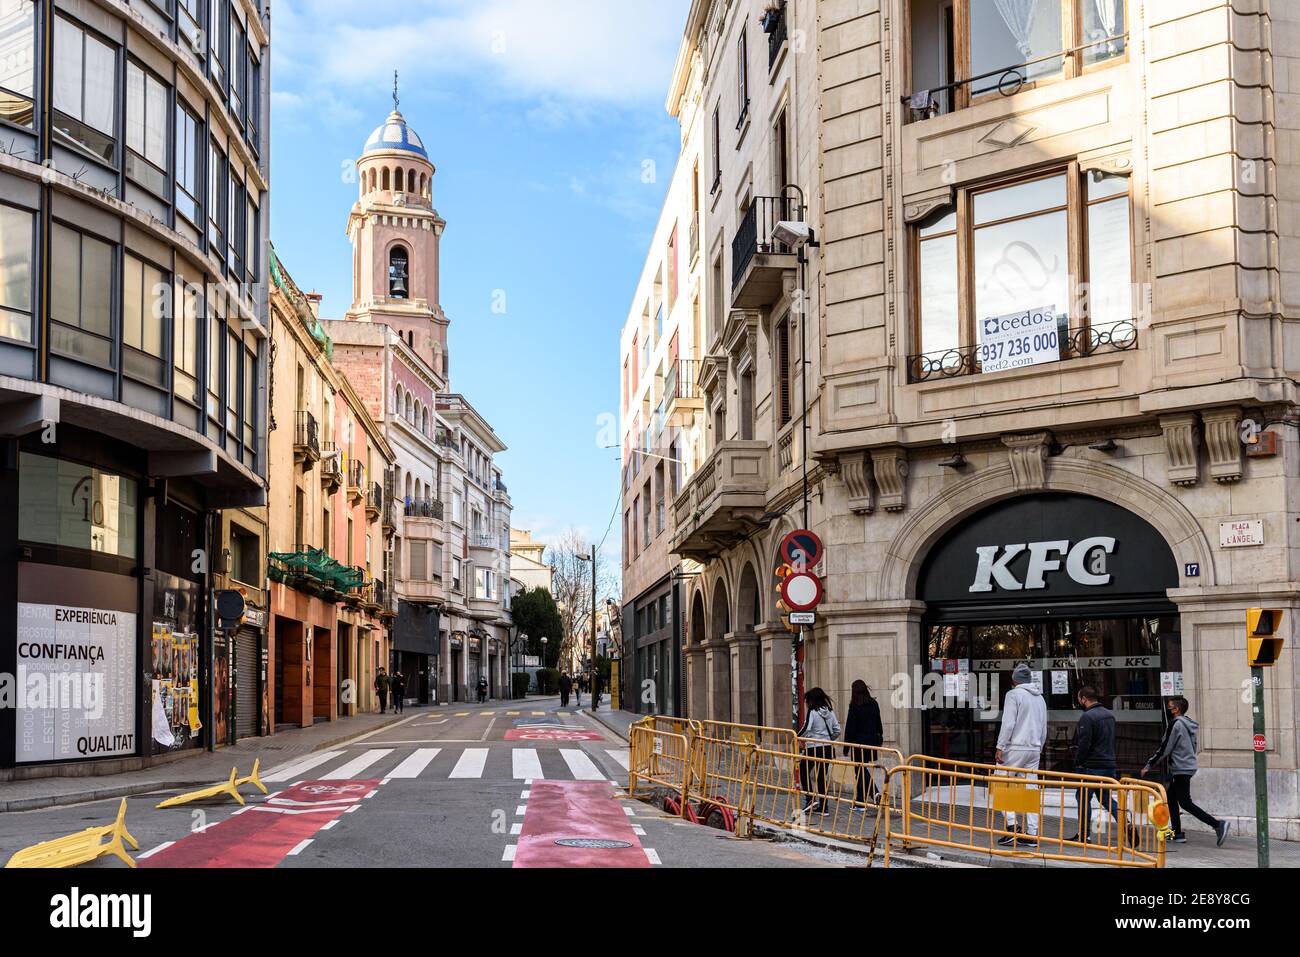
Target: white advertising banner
{"points": [[1018, 339], [76, 683]]}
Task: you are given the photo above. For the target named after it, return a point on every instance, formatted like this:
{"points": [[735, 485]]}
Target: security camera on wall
{"points": [[792, 233]]}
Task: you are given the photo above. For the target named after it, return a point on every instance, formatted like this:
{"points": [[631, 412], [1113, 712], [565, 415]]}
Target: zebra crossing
{"points": [[452, 764]]}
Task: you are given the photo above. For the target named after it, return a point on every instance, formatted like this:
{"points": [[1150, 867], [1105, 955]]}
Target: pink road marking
{"points": [[264, 834], [552, 734], [576, 809]]}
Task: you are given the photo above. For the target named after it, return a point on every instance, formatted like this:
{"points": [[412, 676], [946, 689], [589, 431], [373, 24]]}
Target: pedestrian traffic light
{"points": [[1263, 645]]}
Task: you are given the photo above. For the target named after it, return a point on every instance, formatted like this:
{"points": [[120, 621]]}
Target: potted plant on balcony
{"points": [[771, 16]]}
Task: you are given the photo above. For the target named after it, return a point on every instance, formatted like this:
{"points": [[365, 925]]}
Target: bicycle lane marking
{"points": [[576, 810], [263, 835]]}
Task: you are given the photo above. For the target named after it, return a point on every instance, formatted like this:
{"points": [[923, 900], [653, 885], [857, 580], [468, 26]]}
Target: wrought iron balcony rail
{"points": [[1077, 343], [306, 434], [754, 236], [422, 508], [683, 380], [776, 24]]}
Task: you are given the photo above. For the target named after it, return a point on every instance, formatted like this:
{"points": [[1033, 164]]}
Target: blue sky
{"points": [[541, 118]]}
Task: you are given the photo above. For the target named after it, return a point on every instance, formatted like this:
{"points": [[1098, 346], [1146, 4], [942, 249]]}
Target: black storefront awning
{"points": [[416, 629]]}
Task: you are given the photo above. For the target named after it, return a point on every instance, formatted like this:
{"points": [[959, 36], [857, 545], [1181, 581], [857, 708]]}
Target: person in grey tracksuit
{"points": [[1020, 742], [1178, 749], [820, 729]]}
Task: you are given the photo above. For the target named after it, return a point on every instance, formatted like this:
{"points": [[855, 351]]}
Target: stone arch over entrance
{"points": [[746, 659], [927, 524]]}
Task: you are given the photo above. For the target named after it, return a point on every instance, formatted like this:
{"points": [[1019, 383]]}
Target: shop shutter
{"points": [[247, 655]]}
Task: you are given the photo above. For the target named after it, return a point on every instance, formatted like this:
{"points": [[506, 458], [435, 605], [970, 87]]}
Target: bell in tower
{"points": [[397, 273]]}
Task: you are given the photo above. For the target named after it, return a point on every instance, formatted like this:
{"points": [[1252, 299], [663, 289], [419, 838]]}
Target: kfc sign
{"points": [[1085, 563]]}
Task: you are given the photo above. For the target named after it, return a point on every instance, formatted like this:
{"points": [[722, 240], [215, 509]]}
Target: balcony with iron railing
{"points": [[356, 480], [724, 501], [306, 439], [759, 263], [430, 508], [331, 467], [777, 28], [374, 501], [682, 392], [1076, 343]]}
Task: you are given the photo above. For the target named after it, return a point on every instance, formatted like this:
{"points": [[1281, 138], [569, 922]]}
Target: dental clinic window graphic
{"points": [[76, 683]]}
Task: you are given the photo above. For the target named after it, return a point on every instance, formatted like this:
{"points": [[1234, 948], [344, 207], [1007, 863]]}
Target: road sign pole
{"points": [[1261, 770]]}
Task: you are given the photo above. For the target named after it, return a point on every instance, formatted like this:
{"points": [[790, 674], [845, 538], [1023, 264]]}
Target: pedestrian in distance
{"points": [[566, 686], [1094, 753], [381, 689], [398, 683], [578, 682], [595, 690], [818, 734], [482, 688], [1178, 751], [862, 726], [1020, 745]]}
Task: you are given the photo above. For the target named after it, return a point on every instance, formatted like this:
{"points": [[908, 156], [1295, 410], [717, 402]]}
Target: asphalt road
{"points": [[499, 785]]}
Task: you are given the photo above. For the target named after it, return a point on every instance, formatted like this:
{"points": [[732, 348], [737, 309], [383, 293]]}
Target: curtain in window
{"points": [[1018, 15]]}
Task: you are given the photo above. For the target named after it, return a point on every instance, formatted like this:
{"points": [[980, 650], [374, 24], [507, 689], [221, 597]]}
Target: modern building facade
{"points": [[451, 521], [1039, 347], [133, 351]]}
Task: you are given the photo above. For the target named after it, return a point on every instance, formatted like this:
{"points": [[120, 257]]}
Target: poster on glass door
{"points": [[1019, 339], [75, 695]]}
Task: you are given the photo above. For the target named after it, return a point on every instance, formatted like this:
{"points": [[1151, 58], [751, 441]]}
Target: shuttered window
{"points": [[783, 372]]}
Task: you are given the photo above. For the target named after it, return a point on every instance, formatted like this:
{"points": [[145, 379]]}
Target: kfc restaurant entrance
{"points": [[1073, 585]]}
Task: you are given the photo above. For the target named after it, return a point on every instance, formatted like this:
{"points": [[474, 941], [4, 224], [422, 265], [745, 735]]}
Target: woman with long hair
{"points": [[862, 726], [819, 731]]}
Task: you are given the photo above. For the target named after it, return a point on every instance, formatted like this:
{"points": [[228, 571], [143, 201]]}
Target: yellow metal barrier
{"points": [[254, 778], [80, 848], [659, 759], [939, 802], [227, 787]]}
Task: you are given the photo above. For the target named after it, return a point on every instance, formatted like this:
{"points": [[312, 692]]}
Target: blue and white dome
{"points": [[394, 134]]}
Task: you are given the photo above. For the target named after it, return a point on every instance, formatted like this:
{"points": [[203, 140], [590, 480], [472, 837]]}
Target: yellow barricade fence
{"points": [[82, 847], [1077, 818], [658, 760]]}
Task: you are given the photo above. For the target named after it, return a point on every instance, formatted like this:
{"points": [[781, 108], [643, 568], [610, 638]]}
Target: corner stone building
{"points": [[1053, 298]]}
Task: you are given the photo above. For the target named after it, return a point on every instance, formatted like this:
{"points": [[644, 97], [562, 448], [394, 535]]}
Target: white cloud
{"points": [[562, 53]]}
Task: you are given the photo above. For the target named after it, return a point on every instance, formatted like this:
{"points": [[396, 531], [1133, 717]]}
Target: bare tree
{"points": [[570, 564]]}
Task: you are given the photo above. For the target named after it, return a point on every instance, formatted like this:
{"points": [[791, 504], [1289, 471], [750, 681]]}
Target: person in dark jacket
{"points": [[595, 690], [381, 689], [397, 685], [1094, 753], [566, 686], [1178, 749], [862, 726]]}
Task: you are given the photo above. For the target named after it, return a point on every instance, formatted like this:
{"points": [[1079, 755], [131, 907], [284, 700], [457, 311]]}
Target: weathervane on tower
{"points": [[395, 100]]}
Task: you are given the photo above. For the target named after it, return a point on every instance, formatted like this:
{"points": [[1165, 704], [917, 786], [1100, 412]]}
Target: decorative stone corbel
{"points": [[855, 472], [1182, 438], [890, 469], [1027, 455], [1223, 441]]}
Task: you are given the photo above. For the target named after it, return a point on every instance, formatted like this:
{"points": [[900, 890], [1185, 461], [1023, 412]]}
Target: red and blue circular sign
{"points": [[801, 549]]}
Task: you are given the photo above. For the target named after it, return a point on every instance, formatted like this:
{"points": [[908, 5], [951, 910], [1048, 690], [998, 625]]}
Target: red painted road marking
{"points": [[264, 834], [548, 734], [576, 809]]}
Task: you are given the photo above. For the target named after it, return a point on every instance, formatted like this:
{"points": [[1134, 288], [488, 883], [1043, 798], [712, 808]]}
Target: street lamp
{"points": [[595, 669], [521, 641], [539, 680]]}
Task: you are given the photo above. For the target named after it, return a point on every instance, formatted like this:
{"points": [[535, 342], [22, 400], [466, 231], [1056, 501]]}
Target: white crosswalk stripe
{"points": [[583, 768], [416, 762], [621, 755], [471, 763], [527, 765], [357, 765], [291, 772]]}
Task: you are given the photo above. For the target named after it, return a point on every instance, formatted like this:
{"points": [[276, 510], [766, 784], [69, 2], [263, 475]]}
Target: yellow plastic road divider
{"points": [[226, 787], [939, 802], [80, 848], [253, 778]]}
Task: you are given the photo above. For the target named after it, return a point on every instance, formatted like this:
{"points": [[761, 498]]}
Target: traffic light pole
{"points": [[1261, 770]]}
